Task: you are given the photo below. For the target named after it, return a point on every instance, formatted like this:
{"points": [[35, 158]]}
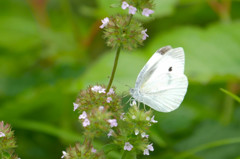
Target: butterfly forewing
{"points": [[161, 83]]}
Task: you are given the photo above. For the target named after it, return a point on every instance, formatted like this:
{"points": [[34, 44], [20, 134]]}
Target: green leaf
{"points": [[109, 147], [129, 155], [231, 94]]}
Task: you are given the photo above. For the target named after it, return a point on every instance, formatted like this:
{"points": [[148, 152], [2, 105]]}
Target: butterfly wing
{"points": [[162, 84]]}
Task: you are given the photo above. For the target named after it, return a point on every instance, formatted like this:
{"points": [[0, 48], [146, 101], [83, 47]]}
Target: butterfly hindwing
{"points": [[161, 83]]}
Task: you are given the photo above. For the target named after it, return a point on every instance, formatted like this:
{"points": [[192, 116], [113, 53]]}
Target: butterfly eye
{"points": [[170, 69]]}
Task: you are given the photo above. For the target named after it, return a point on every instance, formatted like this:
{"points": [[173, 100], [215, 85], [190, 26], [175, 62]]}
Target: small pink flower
{"points": [[133, 117], [128, 146], [150, 147], [144, 34], [101, 108], [146, 152], [113, 122], [83, 115], [2, 134], [98, 89], [111, 91], [146, 12], [75, 106], [132, 10], [109, 99], [93, 150], [110, 133], [86, 122], [148, 118], [153, 121], [125, 5], [105, 22]]}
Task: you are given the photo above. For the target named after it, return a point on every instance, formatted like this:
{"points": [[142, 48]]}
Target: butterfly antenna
{"points": [[129, 100]]}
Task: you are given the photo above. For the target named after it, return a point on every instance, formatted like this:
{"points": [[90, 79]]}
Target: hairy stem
{"points": [[114, 68]]}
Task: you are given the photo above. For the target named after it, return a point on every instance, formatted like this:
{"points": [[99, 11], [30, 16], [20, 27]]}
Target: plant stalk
{"points": [[114, 68]]}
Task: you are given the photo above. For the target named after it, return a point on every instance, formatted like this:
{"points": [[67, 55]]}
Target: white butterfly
{"points": [[161, 84]]}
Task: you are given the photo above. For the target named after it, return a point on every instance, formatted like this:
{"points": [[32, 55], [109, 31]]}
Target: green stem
{"points": [[114, 68], [208, 146]]}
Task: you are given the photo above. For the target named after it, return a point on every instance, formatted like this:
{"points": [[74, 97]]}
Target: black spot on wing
{"points": [[170, 69], [164, 49]]}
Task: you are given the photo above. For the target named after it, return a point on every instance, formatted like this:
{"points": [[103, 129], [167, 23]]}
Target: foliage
{"points": [[49, 50]]}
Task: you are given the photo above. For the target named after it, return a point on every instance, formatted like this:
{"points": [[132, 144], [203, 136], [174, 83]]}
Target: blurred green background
{"points": [[50, 49]]}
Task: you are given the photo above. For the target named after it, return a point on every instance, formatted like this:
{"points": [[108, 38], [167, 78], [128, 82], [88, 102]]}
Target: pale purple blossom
{"points": [[133, 103], [111, 91], [150, 147], [125, 5], [113, 122], [143, 134], [105, 22], [101, 108], [136, 131], [75, 106], [132, 10], [110, 133], [121, 117], [153, 121], [128, 146], [2, 134], [86, 122], [144, 34], [64, 154], [133, 117], [146, 152], [109, 99], [83, 115], [98, 89], [93, 150], [146, 12]]}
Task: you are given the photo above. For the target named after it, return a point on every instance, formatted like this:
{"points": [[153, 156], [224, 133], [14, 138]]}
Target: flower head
{"points": [[83, 115], [105, 22], [113, 122], [125, 5], [128, 146], [144, 34], [86, 122], [75, 106], [110, 133], [146, 12], [132, 10], [109, 99], [2, 134]]}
